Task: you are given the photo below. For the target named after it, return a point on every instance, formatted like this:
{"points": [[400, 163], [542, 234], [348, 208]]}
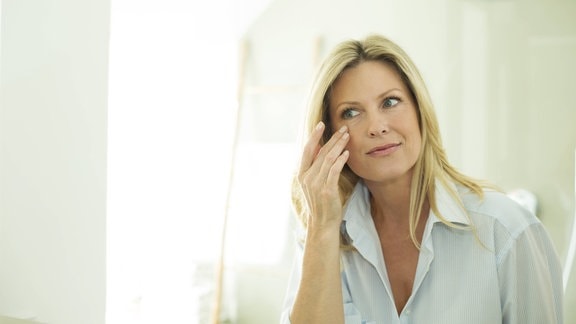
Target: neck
{"points": [[390, 202], [391, 213]]}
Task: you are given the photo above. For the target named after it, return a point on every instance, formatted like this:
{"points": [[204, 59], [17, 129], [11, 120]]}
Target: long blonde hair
{"points": [[432, 163]]}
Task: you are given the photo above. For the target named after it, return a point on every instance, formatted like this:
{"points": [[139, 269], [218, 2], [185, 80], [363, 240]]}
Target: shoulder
{"points": [[496, 207]]}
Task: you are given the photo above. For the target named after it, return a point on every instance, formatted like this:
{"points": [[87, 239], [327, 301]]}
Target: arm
{"points": [[531, 279], [319, 296]]}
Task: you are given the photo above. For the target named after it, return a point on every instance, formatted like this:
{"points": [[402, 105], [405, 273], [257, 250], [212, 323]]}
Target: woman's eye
{"points": [[390, 102], [349, 113]]}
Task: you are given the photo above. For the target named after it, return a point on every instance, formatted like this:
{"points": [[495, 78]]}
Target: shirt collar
{"points": [[357, 208], [359, 202], [357, 221], [450, 208]]}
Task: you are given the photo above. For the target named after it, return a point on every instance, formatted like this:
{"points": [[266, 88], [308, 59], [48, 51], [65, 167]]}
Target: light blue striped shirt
{"points": [[514, 276]]}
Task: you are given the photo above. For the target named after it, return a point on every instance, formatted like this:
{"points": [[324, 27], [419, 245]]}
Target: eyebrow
{"points": [[382, 95]]}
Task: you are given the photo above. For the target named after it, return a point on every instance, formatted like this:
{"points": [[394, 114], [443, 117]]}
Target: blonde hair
{"points": [[432, 164]]}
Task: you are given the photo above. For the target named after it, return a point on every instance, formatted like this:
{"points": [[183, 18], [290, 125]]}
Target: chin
{"points": [[385, 176]]}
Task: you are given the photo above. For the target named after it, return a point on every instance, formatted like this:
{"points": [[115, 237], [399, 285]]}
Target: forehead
{"points": [[367, 79]]}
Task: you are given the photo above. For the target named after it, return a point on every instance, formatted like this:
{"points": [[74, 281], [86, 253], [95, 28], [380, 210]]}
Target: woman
{"points": [[393, 233]]}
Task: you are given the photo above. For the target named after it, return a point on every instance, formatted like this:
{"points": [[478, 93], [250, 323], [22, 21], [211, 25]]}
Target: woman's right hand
{"points": [[319, 174], [319, 296]]}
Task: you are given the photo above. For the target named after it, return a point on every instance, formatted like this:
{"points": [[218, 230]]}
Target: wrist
{"points": [[325, 233]]}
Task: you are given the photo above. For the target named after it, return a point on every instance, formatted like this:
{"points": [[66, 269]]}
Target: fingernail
{"points": [[342, 129], [319, 126]]}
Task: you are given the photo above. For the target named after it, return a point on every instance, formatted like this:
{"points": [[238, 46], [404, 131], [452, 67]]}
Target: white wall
{"points": [[53, 160]]}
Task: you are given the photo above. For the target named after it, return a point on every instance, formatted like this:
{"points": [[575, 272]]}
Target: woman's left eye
{"points": [[390, 102]]}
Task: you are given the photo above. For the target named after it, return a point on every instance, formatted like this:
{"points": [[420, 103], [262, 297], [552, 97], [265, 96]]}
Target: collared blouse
{"points": [[506, 271]]}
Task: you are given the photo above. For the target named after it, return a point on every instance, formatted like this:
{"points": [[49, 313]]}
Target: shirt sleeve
{"points": [[530, 276]]}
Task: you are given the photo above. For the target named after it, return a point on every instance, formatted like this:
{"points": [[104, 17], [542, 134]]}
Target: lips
{"points": [[384, 149]]}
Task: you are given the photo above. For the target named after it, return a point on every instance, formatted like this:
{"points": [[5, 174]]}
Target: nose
{"points": [[377, 125]]}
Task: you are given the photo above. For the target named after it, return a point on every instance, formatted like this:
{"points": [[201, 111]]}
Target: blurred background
{"points": [[147, 147]]}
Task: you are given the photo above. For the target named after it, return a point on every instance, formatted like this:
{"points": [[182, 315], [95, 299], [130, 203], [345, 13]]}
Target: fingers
{"points": [[331, 151], [312, 147], [317, 162], [336, 169]]}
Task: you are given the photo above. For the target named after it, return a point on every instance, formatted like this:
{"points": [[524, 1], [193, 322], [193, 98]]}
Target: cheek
{"points": [[356, 151], [415, 146], [353, 144]]}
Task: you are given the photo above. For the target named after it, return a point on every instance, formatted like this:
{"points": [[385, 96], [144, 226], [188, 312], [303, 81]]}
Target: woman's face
{"points": [[374, 103]]}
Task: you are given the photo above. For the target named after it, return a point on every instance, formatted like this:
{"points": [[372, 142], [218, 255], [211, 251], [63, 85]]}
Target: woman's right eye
{"points": [[349, 113]]}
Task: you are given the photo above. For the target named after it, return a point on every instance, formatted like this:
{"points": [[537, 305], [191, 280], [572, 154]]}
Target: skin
{"points": [[372, 108]]}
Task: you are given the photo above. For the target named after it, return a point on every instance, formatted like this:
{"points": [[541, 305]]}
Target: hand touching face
{"points": [[318, 177]]}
